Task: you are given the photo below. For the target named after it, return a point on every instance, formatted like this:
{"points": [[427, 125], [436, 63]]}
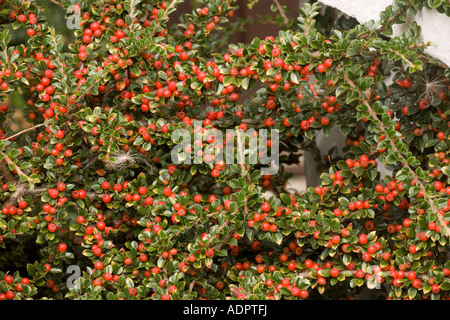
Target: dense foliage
{"points": [[92, 182]]}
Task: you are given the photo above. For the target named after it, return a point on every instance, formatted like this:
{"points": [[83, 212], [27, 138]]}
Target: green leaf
{"points": [[285, 198], [344, 201], [445, 285], [335, 225], [227, 80], [245, 83], [324, 272], [30, 269], [446, 171], [285, 291], [295, 77], [346, 259], [412, 292]]}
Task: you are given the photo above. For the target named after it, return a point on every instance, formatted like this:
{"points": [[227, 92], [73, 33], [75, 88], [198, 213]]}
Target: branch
{"points": [[191, 285], [410, 64], [57, 3], [131, 15], [389, 22], [427, 59], [225, 240], [222, 243], [21, 191], [106, 94], [26, 130], [392, 20], [17, 168], [243, 168], [166, 16], [241, 154], [280, 9], [404, 161], [91, 162], [88, 90], [217, 232]]}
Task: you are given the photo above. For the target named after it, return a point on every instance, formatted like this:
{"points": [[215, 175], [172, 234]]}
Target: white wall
{"points": [[435, 26]]}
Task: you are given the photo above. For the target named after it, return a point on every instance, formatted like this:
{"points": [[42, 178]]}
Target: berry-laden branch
{"points": [[21, 191], [404, 162], [217, 249], [166, 15]]}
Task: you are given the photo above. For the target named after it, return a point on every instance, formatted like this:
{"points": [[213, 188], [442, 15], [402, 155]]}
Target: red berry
{"points": [[321, 68], [9, 279], [265, 207], [52, 227], [417, 283], [304, 125], [53, 193], [167, 191], [62, 247], [106, 198], [334, 272], [10, 295], [435, 288], [105, 185], [362, 239]]}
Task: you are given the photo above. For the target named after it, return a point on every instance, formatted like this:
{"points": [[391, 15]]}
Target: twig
{"points": [[88, 90], [280, 9], [92, 161], [131, 15], [17, 168], [158, 23], [435, 62], [191, 285], [218, 248], [389, 22], [217, 232], [26, 130], [243, 168], [105, 96], [404, 161], [241, 155], [21, 191], [411, 65], [225, 240], [57, 3]]}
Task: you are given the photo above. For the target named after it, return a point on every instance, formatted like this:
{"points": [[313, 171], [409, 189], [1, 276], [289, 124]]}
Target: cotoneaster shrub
{"points": [[92, 184]]}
